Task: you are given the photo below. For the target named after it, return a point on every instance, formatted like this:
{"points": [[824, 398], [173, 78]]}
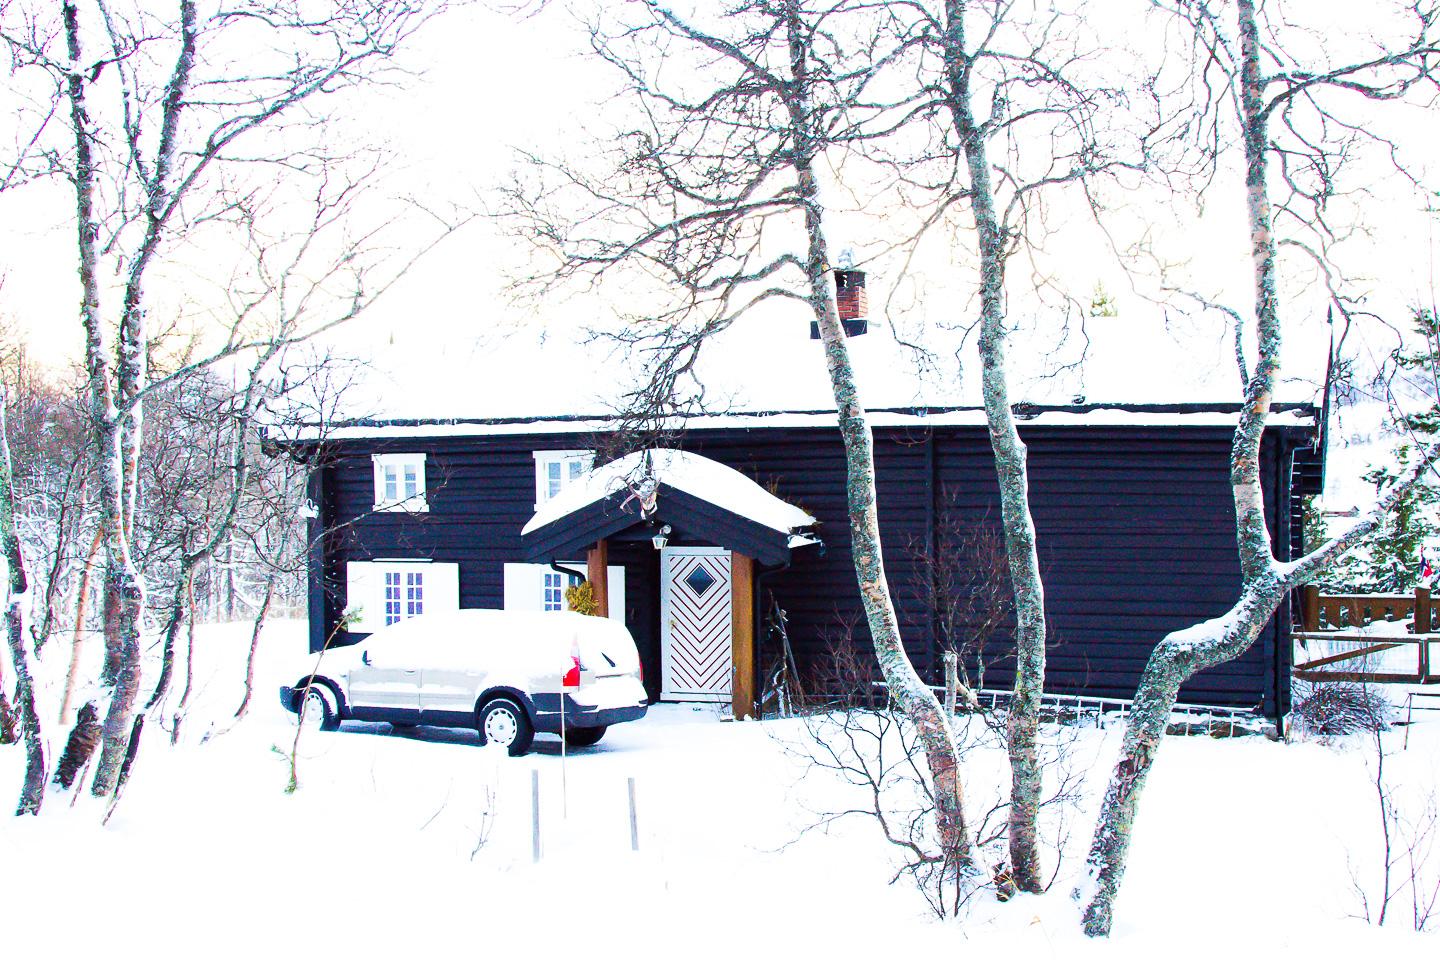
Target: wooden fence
{"points": [[1340, 618]]}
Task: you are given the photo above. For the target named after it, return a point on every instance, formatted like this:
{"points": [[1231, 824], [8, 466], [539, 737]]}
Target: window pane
{"points": [[392, 598], [412, 481], [391, 486], [553, 479], [414, 594], [554, 598], [577, 467]]}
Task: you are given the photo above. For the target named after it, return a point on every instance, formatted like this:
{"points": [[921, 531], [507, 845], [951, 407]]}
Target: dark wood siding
{"points": [[1136, 533]]}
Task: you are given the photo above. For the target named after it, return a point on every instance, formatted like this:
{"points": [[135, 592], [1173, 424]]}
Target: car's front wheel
{"points": [[317, 708], [504, 722], [583, 736]]}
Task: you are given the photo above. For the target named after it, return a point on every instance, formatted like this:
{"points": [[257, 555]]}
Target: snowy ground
{"points": [[424, 841]]}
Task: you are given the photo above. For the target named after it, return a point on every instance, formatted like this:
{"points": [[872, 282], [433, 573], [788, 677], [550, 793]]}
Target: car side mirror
{"points": [[365, 657]]}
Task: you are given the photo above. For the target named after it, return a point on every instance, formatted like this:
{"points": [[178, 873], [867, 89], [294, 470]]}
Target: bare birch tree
{"points": [[726, 155], [168, 119], [1292, 111], [1024, 120], [32, 791]]}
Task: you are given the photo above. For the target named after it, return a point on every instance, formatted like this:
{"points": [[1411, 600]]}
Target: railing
{"points": [[1331, 619], [1077, 708]]}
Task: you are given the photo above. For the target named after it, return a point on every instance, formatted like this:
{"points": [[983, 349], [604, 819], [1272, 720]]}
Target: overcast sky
{"points": [[488, 82]]}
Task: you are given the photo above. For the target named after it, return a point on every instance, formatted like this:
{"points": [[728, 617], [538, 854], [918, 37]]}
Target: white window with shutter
{"points": [[539, 586], [557, 469], [382, 592], [400, 482]]}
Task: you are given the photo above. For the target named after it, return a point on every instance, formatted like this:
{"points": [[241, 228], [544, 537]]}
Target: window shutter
{"points": [[365, 593], [442, 587]]}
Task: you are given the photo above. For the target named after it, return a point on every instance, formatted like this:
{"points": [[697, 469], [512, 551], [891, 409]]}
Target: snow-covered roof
{"points": [[698, 476], [765, 371]]}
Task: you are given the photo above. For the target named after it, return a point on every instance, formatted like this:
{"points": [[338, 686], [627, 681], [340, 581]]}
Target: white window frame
{"points": [[376, 590], [526, 586], [553, 590], [397, 499], [544, 459]]}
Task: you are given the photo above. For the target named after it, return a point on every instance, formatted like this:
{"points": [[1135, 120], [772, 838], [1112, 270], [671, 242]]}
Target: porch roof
{"points": [[698, 497]]}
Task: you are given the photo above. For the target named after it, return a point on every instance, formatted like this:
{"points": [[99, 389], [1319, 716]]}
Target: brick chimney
{"points": [[852, 302]]}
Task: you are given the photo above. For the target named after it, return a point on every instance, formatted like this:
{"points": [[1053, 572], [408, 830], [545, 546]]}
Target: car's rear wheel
{"points": [[504, 722], [317, 708], [584, 736]]}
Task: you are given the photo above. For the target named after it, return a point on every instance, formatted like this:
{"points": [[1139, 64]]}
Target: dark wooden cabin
{"points": [[1132, 504]]}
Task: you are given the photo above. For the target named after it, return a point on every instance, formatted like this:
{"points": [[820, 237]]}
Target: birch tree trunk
{"points": [[915, 699], [9, 723], [1264, 581], [82, 596], [124, 595], [32, 791], [254, 646], [173, 622], [1026, 775]]}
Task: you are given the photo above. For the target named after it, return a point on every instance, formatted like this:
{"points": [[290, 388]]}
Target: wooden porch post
{"points": [[597, 567], [742, 635], [1310, 607], [1422, 625]]}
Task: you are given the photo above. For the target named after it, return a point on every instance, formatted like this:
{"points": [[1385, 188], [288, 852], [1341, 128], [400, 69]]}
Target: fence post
{"points": [[1310, 607], [634, 822], [535, 812]]}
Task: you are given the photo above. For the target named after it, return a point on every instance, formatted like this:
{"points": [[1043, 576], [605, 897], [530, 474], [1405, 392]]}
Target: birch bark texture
{"points": [[1025, 111], [1265, 581], [1026, 773], [916, 700]]}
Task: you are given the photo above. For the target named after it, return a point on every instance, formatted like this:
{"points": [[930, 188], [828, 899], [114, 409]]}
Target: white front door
{"points": [[695, 624]]}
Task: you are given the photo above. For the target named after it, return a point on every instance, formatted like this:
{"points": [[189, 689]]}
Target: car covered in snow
{"points": [[508, 674]]}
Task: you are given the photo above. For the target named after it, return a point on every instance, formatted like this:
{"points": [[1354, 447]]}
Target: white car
{"points": [[508, 674]]}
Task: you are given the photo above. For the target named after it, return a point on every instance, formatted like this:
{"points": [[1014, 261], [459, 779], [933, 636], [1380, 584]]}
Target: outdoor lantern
{"points": [[662, 537], [851, 302]]}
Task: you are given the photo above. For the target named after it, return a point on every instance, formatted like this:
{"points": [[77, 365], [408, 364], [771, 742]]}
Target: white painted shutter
{"points": [[524, 586], [365, 596], [442, 587], [615, 579]]}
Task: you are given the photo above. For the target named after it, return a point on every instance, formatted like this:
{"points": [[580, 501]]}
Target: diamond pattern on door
{"points": [[695, 624], [699, 580]]}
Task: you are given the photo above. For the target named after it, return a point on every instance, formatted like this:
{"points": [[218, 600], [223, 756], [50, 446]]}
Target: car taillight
{"points": [[572, 676]]}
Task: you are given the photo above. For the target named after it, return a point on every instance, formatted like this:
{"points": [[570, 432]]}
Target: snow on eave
{"points": [[1124, 415], [701, 477]]}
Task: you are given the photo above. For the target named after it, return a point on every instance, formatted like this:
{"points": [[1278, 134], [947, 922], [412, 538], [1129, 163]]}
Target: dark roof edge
{"points": [[1022, 411]]}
